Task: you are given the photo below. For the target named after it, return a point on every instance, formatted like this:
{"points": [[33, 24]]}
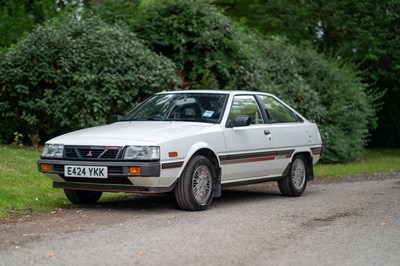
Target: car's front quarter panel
{"points": [[185, 147]]}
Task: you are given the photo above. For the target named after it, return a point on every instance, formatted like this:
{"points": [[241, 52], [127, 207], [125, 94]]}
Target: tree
{"points": [[18, 18], [364, 32], [112, 11], [198, 38]]}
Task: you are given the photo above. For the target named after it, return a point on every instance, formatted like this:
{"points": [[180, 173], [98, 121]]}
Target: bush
{"points": [[71, 74], [325, 90]]}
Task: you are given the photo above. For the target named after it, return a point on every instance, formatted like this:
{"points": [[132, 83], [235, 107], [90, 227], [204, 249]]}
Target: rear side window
{"points": [[277, 112]]}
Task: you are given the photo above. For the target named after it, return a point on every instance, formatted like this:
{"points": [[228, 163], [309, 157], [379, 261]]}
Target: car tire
{"points": [[82, 196], [195, 189], [294, 182]]}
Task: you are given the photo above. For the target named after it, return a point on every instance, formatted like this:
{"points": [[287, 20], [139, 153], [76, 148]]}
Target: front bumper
{"points": [[119, 179], [115, 168]]}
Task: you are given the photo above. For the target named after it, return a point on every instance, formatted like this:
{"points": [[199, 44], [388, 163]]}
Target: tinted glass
{"points": [[199, 107]]}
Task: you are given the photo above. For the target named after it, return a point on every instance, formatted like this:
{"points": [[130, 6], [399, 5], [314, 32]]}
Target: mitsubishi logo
{"points": [[89, 154]]}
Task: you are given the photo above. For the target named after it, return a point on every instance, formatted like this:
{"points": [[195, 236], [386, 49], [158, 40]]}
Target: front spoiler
{"points": [[112, 188]]}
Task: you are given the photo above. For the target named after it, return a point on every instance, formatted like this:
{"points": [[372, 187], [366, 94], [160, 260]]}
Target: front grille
{"points": [[92, 153], [110, 154], [59, 167], [70, 153], [115, 170]]}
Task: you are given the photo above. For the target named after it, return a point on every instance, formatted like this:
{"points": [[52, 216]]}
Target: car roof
{"points": [[215, 92]]}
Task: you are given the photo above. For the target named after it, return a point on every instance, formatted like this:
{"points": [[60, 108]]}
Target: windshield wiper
{"points": [[154, 118], [149, 118]]}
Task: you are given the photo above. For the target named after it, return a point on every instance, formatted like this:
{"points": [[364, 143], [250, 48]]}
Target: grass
{"points": [[24, 190], [373, 161]]}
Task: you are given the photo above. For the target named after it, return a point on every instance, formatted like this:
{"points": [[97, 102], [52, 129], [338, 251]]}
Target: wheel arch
{"points": [[309, 163], [208, 152]]}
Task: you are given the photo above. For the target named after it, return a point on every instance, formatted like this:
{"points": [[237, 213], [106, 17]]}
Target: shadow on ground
{"points": [[166, 202]]}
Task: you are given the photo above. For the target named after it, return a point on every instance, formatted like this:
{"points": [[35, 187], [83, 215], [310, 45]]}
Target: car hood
{"points": [[132, 133]]}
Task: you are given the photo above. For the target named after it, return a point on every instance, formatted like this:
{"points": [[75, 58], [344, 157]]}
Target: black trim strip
{"points": [[251, 181], [249, 155], [171, 165], [317, 151], [249, 160], [285, 152], [254, 157]]}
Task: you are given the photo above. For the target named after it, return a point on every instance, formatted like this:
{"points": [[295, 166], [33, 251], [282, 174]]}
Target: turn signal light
{"points": [[173, 154], [45, 167], [134, 170]]}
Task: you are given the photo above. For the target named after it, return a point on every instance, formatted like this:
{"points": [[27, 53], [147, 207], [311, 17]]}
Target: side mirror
{"points": [[240, 121], [115, 118]]}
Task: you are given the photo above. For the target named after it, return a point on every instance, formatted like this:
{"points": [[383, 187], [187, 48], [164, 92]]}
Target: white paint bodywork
{"points": [[187, 138]]}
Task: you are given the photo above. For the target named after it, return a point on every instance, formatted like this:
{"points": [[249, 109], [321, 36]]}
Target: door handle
{"points": [[267, 132]]}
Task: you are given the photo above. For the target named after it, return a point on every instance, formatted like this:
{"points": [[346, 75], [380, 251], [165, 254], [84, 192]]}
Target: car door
{"points": [[250, 149], [288, 129]]}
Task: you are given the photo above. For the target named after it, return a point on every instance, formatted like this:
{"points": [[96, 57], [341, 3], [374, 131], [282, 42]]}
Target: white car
{"points": [[191, 143]]}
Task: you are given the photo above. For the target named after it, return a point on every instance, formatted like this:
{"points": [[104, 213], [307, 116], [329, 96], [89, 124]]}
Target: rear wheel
{"points": [[195, 189], [82, 196], [294, 182]]}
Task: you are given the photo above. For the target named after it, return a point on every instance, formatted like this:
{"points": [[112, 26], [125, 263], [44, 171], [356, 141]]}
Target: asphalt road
{"points": [[352, 222]]}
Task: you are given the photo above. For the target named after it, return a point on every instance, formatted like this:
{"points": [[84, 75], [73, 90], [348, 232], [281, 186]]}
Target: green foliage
{"points": [[363, 32], [325, 90], [70, 74], [367, 32], [17, 18], [112, 11], [74, 74], [196, 36], [289, 18]]}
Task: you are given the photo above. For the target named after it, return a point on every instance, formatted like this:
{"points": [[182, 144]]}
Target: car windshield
{"points": [[198, 107]]}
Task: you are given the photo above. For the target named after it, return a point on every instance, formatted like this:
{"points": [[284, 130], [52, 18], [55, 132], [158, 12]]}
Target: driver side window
{"points": [[246, 105]]}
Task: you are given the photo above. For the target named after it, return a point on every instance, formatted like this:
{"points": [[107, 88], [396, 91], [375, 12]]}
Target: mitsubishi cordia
{"points": [[190, 143]]}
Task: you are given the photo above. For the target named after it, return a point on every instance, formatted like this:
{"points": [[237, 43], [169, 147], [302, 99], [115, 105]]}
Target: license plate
{"points": [[85, 171]]}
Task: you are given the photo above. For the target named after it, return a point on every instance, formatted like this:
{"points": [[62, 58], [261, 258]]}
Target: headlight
{"points": [[53, 151], [142, 153]]}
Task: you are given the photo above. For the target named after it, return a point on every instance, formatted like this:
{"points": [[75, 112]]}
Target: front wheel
{"points": [[294, 182], [82, 196], [195, 189]]}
